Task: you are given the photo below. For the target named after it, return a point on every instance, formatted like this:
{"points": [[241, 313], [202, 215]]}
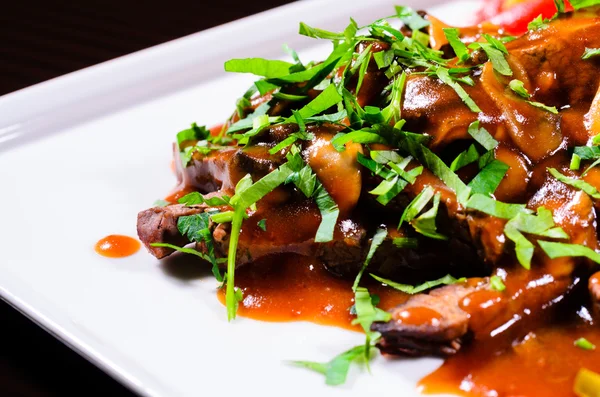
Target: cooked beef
{"points": [[159, 225], [530, 140], [428, 324]]}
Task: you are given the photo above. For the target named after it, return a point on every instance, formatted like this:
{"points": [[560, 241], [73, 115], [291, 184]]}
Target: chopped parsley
{"points": [[262, 224], [538, 23], [497, 284], [488, 179], [576, 183], [415, 289], [590, 52], [518, 87], [460, 49], [336, 370], [584, 344], [559, 250], [488, 205], [482, 136], [542, 224], [378, 238], [259, 66]]}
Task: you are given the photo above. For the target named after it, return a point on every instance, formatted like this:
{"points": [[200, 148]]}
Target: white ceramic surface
{"points": [[82, 154]]}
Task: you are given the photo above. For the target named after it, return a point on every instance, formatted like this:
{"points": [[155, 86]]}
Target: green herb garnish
{"points": [[559, 250], [584, 344], [538, 23], [259, 66], [460, 49], [590, 52], [410, 289], [576, 183], [497, 284], [262, 224]]}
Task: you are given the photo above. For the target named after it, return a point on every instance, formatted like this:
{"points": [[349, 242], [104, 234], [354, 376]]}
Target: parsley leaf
{"points": [[437, 166], [195, 198], [411, 18], [576, 183], [194, 133], [443, 74], [495, 55], [405, 242], [465, 158], [482, 136], [262, 224], [453, 37], [489, 178], [196, 228], [558, 250], [317, 33], [537, 23], [584, 344], [578, 4], [329, 214], [519, 88], [259, 67], [416, 205], [378, 238], [160, 203], [551, 109], [326, 99], [575, 163], [184, 250], [425, 223], [541, 224], [496, 208], [590, 52], [497, 284], [336, 370], [410, 289]]}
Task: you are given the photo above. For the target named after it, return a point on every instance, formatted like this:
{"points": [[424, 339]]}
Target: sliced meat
{"points": [[427, 324], [159, 225]]}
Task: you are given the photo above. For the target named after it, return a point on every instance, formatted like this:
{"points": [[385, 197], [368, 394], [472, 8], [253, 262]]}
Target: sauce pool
{"points": [[117, 246], [296, 288]]}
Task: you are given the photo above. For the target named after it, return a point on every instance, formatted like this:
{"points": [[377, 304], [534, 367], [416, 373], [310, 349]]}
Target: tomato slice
{"points": [[515, 19]]}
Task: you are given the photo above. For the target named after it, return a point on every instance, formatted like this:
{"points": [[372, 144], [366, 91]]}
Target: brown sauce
{"points": [[295, 288], [117, 246], [178, 193], [419, 315], [543, 364]]}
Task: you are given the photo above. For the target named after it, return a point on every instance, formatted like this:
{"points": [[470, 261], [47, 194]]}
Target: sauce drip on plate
{"points": [[295, 288], [544, 363], [117, 246]]}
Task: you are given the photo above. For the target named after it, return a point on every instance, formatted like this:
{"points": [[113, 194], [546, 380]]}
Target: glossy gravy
{"points": [[544, 363]]}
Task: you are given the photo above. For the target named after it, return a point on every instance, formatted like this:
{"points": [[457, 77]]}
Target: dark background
{"points": [[42, 40]]}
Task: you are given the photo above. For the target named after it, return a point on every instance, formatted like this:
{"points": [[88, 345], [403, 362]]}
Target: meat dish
{"points": [[458, 166]]}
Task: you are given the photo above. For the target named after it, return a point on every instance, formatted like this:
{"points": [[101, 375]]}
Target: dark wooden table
{"points": [[45, 39]]}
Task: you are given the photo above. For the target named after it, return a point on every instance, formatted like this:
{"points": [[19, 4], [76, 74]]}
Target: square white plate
{"points": [[82, 154]]}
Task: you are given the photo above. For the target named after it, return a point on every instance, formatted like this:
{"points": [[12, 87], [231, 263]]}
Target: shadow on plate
{"points": [[185, 267]]}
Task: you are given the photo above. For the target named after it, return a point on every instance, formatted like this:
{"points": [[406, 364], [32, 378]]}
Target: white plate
{"points": [[82, 154]]}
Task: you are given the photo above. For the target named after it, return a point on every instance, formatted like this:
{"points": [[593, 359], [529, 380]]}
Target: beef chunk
{"points": [[159, 225], [427, 324]]}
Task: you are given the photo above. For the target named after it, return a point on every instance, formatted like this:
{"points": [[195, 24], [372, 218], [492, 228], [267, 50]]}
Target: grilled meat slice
{"points": [[159, 225], [427, 324]]}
